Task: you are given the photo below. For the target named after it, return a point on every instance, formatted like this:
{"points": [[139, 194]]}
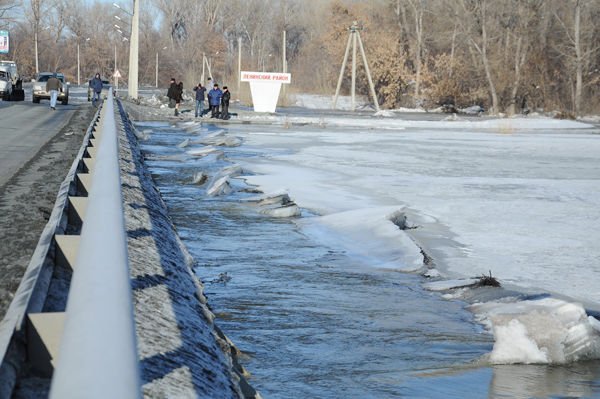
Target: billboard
{"points": [[4, 42]]}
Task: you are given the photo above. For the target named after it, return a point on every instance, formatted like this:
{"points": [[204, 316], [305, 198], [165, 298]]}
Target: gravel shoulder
{"points": [[27, 199]]}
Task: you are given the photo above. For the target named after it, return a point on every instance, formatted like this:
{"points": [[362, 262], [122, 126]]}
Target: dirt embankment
{"points": [[27, 199]]}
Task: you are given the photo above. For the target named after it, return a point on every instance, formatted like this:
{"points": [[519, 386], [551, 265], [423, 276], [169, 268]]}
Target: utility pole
{"points": [[78, 70], [116, 77], [354, 36], [284, 60], [239, 64], [156, 84], [37, 69], [133, 51], [203, 60]]}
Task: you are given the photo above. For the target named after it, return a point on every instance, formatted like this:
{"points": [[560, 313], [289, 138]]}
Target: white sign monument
{"points": [[265, 87]]}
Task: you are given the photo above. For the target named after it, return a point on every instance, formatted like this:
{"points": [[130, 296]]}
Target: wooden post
{"points": [[353, 34], [339, 85], [362, 50]]}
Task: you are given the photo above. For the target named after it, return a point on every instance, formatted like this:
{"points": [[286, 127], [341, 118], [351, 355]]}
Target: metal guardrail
{"points": [[97, 356], [31, 294]]}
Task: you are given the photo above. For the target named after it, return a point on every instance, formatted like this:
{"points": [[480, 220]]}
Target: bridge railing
{"points": [[97, 356]]}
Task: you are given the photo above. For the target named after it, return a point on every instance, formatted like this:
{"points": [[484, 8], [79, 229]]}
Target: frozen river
{"points": [[335, 304]]}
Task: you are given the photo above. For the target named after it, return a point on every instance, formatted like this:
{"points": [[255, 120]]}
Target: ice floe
{"points": [[276, 204], [204, 151]]}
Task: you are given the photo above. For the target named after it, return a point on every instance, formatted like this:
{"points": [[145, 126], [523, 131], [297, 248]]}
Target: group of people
{"points": [[216, 98]]}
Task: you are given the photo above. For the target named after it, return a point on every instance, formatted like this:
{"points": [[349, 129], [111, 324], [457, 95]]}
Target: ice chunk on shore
{"points": [[514, 345], [141, 135], [217, 133], [384, 113], [453, 118], [221, 141], [184, 143], [231, 171], [549, 330], [276, 204], [287, 211], [219, 187], [439, 286], [199, 178], [204, 151], [583, 341]]}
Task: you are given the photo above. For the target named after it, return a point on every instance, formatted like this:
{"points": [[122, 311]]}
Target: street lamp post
{"points": [[133, 51], [37, 70], [133, 48], [79, 64], [156, 84]]}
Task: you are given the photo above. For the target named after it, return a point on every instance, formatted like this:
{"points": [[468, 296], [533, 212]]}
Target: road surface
{"points": [[24, 128]]}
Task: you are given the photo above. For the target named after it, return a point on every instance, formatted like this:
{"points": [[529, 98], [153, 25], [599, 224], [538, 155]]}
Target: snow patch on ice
{"points": [[385, 114], [445, 285], [369, 235]]}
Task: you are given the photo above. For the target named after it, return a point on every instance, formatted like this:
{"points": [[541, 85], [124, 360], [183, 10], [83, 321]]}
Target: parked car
{"points": [[39, 88], [11, 73], [105, 88], [5, 86]]}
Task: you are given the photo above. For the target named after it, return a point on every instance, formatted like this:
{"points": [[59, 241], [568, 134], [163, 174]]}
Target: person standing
{"points": [[178, 96], [214, 98], [96, 84], [199, 98], [53, 85], [209, 86], [170, 93], [225, 103]]}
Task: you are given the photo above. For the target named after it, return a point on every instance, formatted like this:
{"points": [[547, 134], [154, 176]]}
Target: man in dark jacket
{"points": [[225, 103], [214, 98], [96, 84], [177, 96], [53, 85], [170, 93], [199, 98]]}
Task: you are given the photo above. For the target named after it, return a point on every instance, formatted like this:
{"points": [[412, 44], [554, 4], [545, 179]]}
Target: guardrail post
{"points": [[97, 356]]}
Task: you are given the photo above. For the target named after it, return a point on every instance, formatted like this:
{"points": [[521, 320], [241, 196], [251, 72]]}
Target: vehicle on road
{"points": [[11, 73], [5, 86], [39, 88], [105, 88]]}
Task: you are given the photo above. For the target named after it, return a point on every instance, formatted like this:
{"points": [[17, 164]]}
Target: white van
{"points": [[11, 67], [11, 72], [5, 85]]}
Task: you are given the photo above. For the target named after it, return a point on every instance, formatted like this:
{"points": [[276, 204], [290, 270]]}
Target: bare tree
{"points": [[577, 47], [473, 16]]}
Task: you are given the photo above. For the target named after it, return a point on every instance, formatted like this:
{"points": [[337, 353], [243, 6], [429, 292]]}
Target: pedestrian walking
{"points": [[178, 96], [96, 84], [53, 85], [214, 98], [225, 103], [170, 93], [200, 90]]}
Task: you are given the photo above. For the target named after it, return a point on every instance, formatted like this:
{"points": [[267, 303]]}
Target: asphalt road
{"points": [[24, 128]]}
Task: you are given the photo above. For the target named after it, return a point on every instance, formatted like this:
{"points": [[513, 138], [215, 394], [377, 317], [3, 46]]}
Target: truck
{"points": [[15, 92]]}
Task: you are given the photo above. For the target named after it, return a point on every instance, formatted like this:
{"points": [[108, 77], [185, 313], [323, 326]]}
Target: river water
{"points": [[312, 321]]}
